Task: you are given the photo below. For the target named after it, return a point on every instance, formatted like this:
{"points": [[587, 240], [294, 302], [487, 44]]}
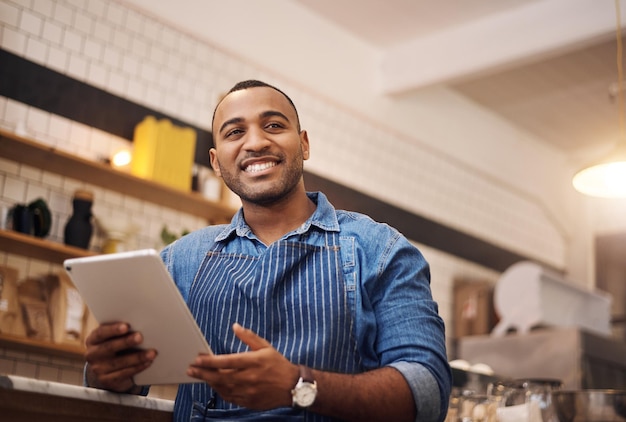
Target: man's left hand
{"points": [[260, 378]]}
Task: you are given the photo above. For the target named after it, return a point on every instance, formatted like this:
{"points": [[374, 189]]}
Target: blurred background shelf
{"points": [[34, 247], [35, 154], [44, 347]]}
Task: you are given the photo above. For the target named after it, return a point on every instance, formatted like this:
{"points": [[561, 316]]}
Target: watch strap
{"points": [[306, 374]]}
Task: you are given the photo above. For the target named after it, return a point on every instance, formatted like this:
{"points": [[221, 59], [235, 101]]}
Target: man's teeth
{"points": [[259, 167]]}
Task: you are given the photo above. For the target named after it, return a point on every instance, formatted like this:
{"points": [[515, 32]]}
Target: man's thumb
{"points": [[250, 338]]}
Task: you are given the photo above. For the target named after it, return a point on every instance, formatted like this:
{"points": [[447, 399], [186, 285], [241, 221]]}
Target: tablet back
{"points": [[135, 287]]}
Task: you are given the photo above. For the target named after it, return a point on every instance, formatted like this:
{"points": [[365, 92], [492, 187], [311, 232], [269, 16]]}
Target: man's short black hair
{"points": [[253, 83]]}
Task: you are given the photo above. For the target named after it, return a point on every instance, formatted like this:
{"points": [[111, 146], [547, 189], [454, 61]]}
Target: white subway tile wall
{"points": [[41, 366], [112, 47]]}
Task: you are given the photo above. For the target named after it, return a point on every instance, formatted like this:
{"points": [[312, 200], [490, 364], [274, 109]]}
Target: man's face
{"points": [[258, 150]]}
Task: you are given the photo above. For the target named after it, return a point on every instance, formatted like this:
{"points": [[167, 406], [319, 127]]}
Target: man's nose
{"points": [[256, 139]]}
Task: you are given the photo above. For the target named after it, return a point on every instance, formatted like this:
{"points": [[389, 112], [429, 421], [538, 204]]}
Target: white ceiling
{"points": [[385, 23], [545, 65]]}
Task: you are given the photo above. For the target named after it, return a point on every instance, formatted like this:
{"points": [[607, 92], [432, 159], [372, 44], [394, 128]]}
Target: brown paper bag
{"points": [[67, 312], [89, 323], [36, 318], [11, 321], [33, 294]]}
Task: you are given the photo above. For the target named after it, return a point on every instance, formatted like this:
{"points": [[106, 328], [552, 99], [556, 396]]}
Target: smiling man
{"points": [[313, 313]]}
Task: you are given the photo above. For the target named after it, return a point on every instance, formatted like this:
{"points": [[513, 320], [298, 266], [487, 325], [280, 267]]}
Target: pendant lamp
{"points": [[607, 178]]}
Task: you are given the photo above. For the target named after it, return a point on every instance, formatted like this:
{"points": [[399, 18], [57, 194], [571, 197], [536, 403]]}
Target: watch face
{"points": [[305, 394]]}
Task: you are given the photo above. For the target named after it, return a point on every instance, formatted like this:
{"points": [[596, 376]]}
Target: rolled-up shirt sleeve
{"points": [[424, 388]]}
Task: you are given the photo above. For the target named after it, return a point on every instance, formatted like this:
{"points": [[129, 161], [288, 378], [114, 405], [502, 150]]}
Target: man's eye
{"points": [[233, 132], [274, 126]]}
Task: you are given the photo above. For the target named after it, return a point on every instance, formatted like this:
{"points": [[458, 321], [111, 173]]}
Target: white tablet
{"points": [[135, 287]]}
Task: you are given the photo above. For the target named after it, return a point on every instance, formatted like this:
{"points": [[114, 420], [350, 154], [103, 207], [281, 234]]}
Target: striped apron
{"points": [[294, 296]]}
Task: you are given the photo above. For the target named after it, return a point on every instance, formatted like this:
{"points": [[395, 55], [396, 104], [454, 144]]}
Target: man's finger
{"points": [[250, 338], [107, 331], [113, 346]]}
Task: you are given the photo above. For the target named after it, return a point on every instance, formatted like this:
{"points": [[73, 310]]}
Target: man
{"points": [[313, 313]]}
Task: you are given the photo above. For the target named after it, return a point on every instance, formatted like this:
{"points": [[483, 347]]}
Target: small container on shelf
{"points": [[79, 227]]}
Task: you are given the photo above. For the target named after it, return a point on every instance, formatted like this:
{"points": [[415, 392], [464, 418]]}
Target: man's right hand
{"points": [[113, 358]]}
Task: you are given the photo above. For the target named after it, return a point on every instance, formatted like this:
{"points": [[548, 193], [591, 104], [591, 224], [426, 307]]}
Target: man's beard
{"points": [[277, 191]]}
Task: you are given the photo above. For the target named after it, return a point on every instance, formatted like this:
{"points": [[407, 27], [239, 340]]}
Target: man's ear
{"points": [[304, 141], [214, 162]]}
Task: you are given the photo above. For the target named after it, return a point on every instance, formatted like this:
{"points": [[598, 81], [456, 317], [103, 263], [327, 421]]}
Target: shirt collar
{"points": [[324, 217]]}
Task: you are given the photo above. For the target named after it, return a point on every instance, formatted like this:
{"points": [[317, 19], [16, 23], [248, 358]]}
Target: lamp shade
{"points": [[606, 178]]}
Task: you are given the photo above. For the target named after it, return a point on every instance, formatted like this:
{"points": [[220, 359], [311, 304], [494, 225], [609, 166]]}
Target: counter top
{"points": [[579, 358], [27, 398]]}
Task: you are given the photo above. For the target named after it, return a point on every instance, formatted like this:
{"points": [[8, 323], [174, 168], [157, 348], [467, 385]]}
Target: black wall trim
{"points": [[40, 87], [415, 227]]}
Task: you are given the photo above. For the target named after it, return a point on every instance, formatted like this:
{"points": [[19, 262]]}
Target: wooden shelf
{"points": [[17, 148], [43, 347], [34, 247]]}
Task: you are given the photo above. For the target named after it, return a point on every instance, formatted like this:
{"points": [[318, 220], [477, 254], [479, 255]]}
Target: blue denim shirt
{"points": [[396, 321]]}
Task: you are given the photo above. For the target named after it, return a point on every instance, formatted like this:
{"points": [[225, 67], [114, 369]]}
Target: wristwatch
{"points": [[305, 391]]}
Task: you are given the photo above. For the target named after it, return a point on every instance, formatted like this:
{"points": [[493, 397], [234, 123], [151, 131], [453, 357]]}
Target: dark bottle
{"points": [[79, 228]]}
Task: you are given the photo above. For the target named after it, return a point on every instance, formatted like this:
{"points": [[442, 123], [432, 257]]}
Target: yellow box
{"points": [[164, 153]]}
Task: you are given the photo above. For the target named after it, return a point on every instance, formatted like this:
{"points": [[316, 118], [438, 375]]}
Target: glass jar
{"points": [[526, 399], [476, 408]]}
